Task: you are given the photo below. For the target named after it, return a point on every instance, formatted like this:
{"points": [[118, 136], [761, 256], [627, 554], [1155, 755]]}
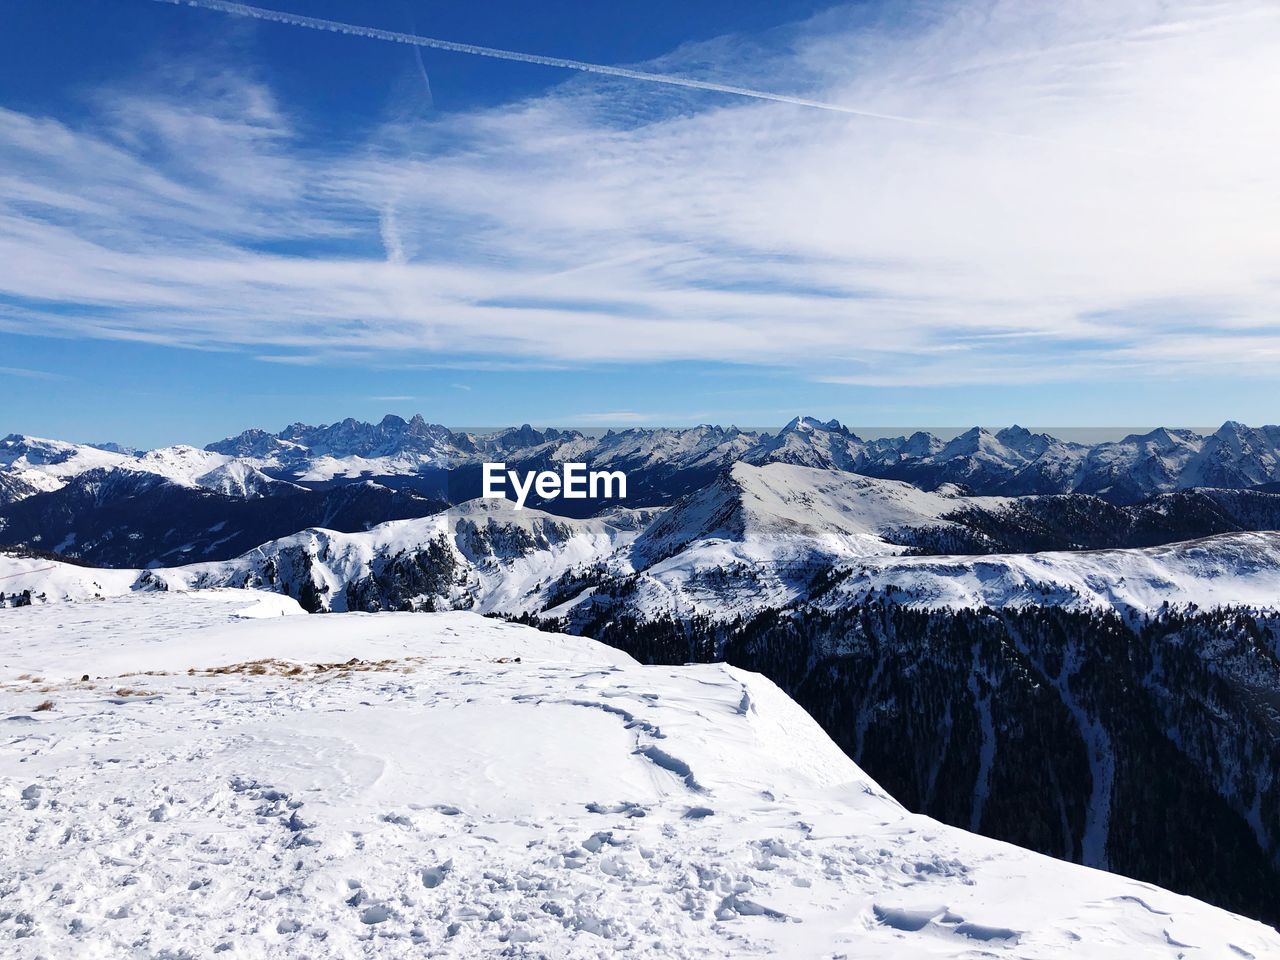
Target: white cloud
{"points": [[1130, 226]]}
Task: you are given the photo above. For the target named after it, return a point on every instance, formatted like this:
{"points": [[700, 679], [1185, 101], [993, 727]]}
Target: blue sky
{"points": [[208, 223]]}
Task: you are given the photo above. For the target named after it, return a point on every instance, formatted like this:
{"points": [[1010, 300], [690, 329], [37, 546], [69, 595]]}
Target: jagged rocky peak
{"points": [[1010, 445], [415, 426], [813, 443], [920, 444], [521, 436], [972, 441], [1236, 455], [1232, 439], [714, 431], [805, 424], [1016, 433], [13, 446], [1241, 437], [349, 437], [1164, 438], [253, 442], [1026, 442]]}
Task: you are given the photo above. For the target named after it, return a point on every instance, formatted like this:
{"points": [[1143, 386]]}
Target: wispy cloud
{"points": [[1131, 230], [26, 374]]}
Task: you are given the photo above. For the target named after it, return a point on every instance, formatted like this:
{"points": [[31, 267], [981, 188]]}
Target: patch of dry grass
{"points": [[285, 668]]}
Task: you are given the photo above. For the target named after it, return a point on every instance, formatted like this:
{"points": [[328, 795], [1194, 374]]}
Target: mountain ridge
{"points": [[664, 464]]}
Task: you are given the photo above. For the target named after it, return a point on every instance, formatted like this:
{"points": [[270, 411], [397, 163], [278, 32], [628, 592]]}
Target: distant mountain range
{"points": [[670, 461], [72, 496]]}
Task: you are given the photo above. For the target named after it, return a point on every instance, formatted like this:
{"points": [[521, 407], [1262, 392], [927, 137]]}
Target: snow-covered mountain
{"points": [[483, 555], [1235, 456], [824, 511], [31, 465], [1016, 462], [1012, 460], [447, 785], [764, 537], [807, 442], [755, 538]]}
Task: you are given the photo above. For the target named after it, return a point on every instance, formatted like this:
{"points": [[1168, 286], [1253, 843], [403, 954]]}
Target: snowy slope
{"points": [[52, 580], [824, 511], [180, 463], [1227, 570], [192, 467], [437, 798], [236, 478], [724, 579], [496, 558]]}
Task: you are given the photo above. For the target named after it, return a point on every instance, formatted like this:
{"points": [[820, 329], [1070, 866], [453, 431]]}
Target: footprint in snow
{"points": [[377, 913], [432, 877], [626, 808]]}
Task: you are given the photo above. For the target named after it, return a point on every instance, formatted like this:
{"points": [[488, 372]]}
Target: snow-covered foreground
{"points": [[234, 780]]}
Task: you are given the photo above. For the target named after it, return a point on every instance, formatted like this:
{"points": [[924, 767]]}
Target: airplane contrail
{"points": [[392, 36]]}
